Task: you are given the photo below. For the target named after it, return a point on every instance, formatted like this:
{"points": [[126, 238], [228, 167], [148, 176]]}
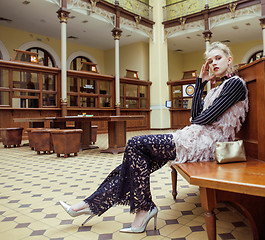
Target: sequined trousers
{"points": [[129, 183]]}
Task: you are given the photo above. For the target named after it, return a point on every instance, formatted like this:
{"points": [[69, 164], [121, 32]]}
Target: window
{"points": [[89, 92], [133, 96], [182, 93], [77, 62], [44, 57], [22, 88], [256, 56]]}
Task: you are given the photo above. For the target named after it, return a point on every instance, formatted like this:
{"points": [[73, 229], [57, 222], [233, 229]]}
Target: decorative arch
{"points": [[250, 52], [81, 53], [3, 52], [42, 45]]}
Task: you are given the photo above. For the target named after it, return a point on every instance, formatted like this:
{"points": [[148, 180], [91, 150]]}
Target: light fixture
{"points": [[88, 66], [132, 74], [26, 2]]}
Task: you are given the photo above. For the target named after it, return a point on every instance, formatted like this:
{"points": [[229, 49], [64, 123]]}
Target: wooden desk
{"points": [[116, 128], [240, 183]]}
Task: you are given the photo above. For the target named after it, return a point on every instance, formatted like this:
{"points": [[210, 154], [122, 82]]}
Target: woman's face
{"points": [[218, 62]]}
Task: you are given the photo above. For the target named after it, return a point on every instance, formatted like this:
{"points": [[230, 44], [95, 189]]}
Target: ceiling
{"points": [[40, 17]]}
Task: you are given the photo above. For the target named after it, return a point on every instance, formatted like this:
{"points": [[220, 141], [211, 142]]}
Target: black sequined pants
{"points": [[129, 183]]}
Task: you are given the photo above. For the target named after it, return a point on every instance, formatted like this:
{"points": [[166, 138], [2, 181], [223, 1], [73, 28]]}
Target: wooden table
{"points": [[116, 128], [240, 183]]}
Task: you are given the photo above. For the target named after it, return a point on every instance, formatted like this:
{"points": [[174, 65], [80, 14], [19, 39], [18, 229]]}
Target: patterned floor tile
{"points": [[31, 186]]}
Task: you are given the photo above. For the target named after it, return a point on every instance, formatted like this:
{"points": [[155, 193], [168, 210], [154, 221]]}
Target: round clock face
{"points": [[190, 90]]}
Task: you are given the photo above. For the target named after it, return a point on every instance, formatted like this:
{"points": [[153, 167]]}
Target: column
{"points": [[207, 35], [63, 15], [116, 33], [158, 65], [262, 23]]}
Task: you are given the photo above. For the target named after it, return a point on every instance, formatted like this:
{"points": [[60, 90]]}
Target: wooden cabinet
{"points": [[181, 93]]}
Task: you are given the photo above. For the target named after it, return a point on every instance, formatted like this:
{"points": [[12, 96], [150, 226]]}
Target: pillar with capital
{"points": [[262, 23], [116, 33], [158, 70], [207, 34], [63, 15]]}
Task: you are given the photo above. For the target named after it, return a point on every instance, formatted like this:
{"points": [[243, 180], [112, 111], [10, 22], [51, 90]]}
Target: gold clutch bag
{"points": [[230, 152]]}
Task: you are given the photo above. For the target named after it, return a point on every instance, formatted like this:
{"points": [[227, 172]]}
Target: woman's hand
{"points": [[204, 74]]}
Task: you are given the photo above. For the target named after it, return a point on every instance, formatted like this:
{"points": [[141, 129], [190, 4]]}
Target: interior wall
{"points": [[194, 60], [133, 57], [175, 65], [13, 38]]}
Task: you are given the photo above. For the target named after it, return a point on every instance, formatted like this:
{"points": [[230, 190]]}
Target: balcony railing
{"points": [[137, 7], [187, 7]]}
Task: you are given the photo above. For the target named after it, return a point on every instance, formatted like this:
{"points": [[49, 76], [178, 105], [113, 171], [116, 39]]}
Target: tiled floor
{"points": [[31, 185]]}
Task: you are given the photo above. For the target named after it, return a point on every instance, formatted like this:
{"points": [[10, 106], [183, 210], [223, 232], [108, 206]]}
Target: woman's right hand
{"points": [[204, 74]]}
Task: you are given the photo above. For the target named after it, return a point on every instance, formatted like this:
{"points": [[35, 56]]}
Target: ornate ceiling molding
{"points": [[229, 17], [147, 31], [179, 30]]}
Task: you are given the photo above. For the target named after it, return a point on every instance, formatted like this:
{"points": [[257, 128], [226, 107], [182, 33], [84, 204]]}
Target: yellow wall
{"points": [[133, 57], [240, 49], [13, 38], [175, 65], [194, 60]]}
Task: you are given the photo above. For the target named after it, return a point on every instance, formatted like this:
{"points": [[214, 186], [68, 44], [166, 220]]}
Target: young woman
{"points": [[218, 118]]}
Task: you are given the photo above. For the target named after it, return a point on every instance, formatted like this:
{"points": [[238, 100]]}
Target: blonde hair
{"points": [[226, 50]]}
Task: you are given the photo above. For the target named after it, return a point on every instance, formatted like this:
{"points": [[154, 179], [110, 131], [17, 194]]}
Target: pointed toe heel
{"points": [[73, 213], [149, 215]]}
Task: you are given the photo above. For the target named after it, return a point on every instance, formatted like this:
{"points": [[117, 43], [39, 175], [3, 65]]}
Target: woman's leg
{"points": [[129, 183]]}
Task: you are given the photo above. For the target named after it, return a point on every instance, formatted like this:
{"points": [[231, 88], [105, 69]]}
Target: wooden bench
{"points": [[242, 184]]}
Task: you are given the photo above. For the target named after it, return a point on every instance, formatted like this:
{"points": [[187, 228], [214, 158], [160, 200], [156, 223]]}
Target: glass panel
{"points": [[4, 98], [143, 90], [121, 89], [72, 84], [88, 86], [78, 63], [48, 82], [176, 90], [25, 103], [177, 103], [104, 102], [131, 90], [104, 87], [72, 101], [4, 79], [131, 103], [122, 102], [25, 80], [187, 103], [49, 100], [143, 103], [18, 94], [88, 102]]}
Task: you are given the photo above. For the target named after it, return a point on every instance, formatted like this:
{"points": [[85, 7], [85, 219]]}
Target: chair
{"points": [[66, 141], [42, 140], [11, 136]]}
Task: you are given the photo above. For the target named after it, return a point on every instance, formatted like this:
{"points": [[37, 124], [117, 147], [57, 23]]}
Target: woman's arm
{"points": [[232, 92], [197, 104]]}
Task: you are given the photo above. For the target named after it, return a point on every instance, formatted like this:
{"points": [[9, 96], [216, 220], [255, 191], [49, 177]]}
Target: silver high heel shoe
{"points": [[73, 213], [150, 214]]}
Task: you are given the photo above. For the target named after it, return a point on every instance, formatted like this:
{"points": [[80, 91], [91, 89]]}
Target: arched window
{"points": [[76, 63], [44, 57], [255, 56]]}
